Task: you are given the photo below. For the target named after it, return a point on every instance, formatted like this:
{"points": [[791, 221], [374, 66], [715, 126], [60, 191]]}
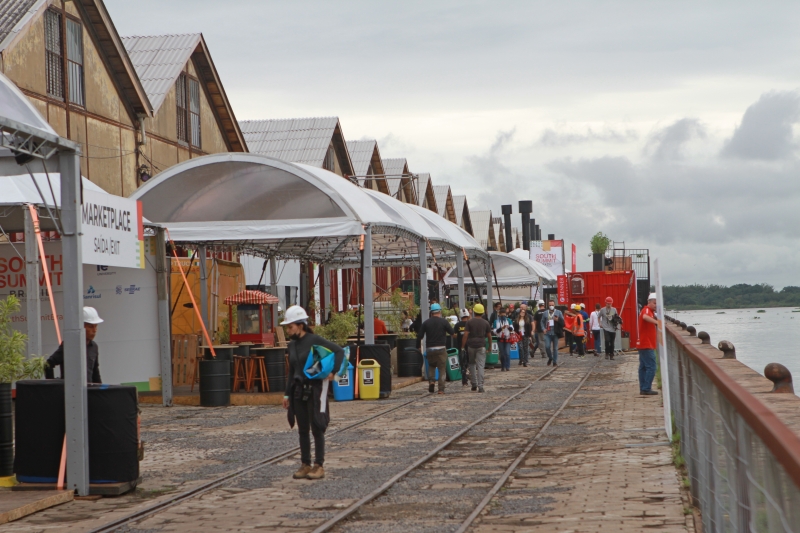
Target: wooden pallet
{"points": [[16, 505], [184, 359], [102, 489]]}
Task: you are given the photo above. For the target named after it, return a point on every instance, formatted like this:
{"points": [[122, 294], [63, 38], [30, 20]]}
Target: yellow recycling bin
{"points": [[369, 379]]}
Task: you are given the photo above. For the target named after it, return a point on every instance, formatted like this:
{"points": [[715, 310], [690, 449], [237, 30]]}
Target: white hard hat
{"points": [[452, 318], [90, 316], [464, 312], [652, 296], [294, 314]]}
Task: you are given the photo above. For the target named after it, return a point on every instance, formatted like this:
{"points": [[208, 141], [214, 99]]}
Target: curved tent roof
{"points": [[268, 207], [511, 270], [17, 107]]}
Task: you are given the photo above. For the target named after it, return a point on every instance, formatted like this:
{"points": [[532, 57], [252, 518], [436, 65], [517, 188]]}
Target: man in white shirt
{"points": [[594, 325]]}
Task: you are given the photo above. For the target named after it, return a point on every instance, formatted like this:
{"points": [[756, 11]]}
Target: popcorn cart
{"points": [[254, 311]]}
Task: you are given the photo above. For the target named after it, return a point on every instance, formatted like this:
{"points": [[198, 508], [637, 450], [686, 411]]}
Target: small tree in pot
{"points": [[13, 367], [599, 244]]}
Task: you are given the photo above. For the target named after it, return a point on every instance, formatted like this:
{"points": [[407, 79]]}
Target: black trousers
{"points": [[609, 340], [304, 414]]}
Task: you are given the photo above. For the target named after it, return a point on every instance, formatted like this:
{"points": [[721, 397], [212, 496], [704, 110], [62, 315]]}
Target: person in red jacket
{"points": [[647, 343], [380, 326]]}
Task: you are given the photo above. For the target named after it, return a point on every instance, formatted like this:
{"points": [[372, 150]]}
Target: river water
{"points": [[760, 338]]}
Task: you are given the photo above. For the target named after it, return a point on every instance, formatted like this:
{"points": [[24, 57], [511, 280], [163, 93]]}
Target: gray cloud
{"points": [[766, 129], [667, 143], [553, 138]]}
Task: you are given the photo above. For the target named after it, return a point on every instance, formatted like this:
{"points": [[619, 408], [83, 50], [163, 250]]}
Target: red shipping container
{"points": [[592, 288]]}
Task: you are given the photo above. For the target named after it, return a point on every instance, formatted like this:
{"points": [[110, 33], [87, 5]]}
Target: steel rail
{"points": [[224, 479], [776, 436], [513, 466], [334, 521]]}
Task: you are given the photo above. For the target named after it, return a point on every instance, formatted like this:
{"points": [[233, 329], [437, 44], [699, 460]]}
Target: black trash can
{"points": [[215, 388], [223, 353], [275, 361], [409, 363]]}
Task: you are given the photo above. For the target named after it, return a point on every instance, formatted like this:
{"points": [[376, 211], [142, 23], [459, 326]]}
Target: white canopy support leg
{"points": [[164, 334], [75, 401], [273, 289], [462, 299], [33, 313], [489, 299], [424, 305], [201, 254], [369, 307]]}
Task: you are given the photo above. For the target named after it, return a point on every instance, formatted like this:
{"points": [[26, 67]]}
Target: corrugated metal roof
{"points": [[14, 15], [481, 225], [159, 60], [394, 167], [458, 205], [361, 154], [297, 140], [441, 192], [422, 187]]}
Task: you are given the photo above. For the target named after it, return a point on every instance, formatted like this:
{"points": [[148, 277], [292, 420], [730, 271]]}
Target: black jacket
{"points": [[92, 363]]}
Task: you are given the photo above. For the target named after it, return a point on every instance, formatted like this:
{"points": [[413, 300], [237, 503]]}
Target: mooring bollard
{"points": [[780, 376], [728, 349], [705, 337], [692, 331], [682, 325]]}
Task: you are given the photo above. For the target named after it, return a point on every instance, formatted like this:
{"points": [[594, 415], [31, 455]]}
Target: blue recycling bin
{"points": [[343, 388], [515, 350]]}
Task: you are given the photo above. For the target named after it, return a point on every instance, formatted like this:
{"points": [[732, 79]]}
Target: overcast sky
{"points": [[668, 125]]}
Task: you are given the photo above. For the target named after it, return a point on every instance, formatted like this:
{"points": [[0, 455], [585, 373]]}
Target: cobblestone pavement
{"points": [[581, 479]]}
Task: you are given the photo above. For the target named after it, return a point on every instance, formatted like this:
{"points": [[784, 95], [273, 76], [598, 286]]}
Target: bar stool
{"points": [[257, 371], [241, 365]]}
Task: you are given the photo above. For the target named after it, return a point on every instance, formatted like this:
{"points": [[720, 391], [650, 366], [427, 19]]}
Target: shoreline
{"points": [[705, 308]]}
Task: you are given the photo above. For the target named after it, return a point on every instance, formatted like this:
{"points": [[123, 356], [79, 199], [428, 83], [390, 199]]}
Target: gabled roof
{"points": [[444, 201], [298, 140], [16, 17], [515, 236], [425, 192], [484, 231], [463, 218], [499, 232], [394, 169], [160, 59], [364, 153]]}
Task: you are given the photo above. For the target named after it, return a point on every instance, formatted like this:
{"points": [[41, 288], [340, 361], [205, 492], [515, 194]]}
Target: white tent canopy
{"points": [[545, 273], [271, 208], [511, 270]]}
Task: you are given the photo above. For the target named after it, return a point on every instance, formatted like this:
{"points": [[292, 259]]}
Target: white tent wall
{"points": [[125, 298]]}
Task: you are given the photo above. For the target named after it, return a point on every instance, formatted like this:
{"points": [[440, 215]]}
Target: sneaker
{"points": [[480, 389], [474, 388], [648, 393], [549, 362], [525, 364], [302, 473], [431, 388], [316, 473]]}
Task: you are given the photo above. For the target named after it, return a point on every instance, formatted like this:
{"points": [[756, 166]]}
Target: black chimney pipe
{"points": [[538, 236], [533, 229], [525, 208], [507, 210], [551, 236]]}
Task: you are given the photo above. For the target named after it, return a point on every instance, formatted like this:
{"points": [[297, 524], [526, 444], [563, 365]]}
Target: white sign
{"points": [[551, 255], [112, 230], [662, 352]]}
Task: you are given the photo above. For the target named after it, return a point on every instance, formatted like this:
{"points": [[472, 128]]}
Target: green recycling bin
{"points": [[492, 353], [453, 366]]}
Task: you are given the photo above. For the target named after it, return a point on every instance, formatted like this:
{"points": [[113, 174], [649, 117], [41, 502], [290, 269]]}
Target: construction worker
{"points": [[435, 330], [90, 322], [477, 334], [460, 326]]}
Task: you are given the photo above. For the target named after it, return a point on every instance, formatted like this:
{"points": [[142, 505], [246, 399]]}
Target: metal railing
{"points": [[743, 461]]}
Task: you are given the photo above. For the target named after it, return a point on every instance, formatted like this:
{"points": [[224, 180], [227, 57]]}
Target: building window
{"points": [[180, 102], [75, 62], [187, 99], [194, 111], [53, 54], [328, 163]]}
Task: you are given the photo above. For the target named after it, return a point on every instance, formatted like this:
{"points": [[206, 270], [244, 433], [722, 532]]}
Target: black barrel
{"points": [[275, 361], [215, 376], [242, 350], [404, 343], [226, 353], [6, 432], [382, 354], [409, 363]]}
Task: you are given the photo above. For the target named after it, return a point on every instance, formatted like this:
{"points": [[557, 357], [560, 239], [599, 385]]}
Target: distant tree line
{"points": [[737, 296]]}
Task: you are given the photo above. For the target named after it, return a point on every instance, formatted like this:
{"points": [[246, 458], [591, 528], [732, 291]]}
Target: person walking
{"points": [[477, 335], [553, 327], [495, 312], [569, 325], [585, 316], [304, 397], [609, 322], [435, 330], [539, 336], [649, 329], [503, 328], [578, 333], [594, 326], [459, 328], [524, 329]]}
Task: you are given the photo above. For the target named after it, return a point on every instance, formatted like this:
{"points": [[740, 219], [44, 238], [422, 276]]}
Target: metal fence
{"points": [[743, 462]]}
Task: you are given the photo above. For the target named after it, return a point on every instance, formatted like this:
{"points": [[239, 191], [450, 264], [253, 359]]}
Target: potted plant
{"points": [[13, 367], [599, 245], [340, 326]]}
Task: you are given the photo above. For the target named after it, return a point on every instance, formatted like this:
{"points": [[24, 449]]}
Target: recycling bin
{"points": [[493, 354], [453, 366], [515, 350], [369, 379], [343, 386]]}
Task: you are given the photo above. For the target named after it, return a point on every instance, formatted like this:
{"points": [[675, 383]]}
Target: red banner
{"points": [[562, 290], [574, 259]]}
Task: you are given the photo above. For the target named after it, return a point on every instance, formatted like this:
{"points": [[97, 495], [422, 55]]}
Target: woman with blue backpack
{"points": [[313, 363]]}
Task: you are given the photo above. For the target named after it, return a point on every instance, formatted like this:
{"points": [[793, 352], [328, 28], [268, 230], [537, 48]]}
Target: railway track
{"points": [[494, 420]]}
